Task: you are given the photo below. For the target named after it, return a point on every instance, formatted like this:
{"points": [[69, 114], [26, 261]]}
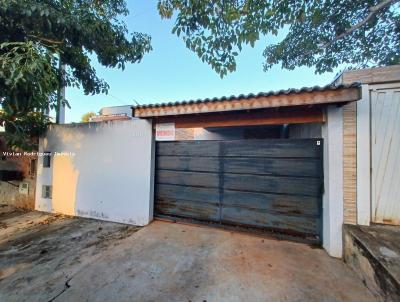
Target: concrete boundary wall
{"points": [[99, 170]]}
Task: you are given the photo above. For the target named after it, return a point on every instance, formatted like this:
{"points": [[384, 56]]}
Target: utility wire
{"points": [[118, 99]]}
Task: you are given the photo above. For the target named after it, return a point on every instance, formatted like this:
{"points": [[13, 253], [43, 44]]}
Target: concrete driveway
{"points": [[54, 258]]}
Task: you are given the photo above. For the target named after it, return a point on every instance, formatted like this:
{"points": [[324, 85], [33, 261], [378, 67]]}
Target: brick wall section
{"points": [[184, 134], [350, 163]]}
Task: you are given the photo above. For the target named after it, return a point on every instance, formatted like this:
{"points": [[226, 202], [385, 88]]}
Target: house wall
{"points": [[306, 130], [99, 170], [184, 134], [219, 134], [357, 140], [312, 130], [241, 132], [229, 133]]}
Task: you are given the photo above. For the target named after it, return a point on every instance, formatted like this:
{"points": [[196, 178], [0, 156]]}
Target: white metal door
{"points": [[385, 156]]}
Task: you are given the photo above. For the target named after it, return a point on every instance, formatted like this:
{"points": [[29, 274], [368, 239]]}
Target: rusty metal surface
{"points": [[263, 184]]}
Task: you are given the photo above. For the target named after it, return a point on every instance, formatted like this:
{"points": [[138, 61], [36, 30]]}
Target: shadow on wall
{"points": [[65, 182], [64, 168]]}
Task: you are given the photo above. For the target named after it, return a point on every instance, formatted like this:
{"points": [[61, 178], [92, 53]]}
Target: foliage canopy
{"points": [[320, 33], [38, 36]]}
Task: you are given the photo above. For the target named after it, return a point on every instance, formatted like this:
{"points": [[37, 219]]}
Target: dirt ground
{"points": [[40, 253], [46, 257]]}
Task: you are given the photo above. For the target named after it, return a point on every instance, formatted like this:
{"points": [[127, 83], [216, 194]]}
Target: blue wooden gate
{"points": [[270, 185]]}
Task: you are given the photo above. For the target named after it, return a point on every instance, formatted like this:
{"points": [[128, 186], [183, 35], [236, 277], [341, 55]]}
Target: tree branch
{"points": [[46, 40], [372, 12]]}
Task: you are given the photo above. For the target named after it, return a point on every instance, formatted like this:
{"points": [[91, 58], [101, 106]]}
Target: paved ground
{"points": [[54, 258]]}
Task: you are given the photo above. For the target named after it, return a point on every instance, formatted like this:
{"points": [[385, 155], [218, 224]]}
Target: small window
{"points": [[32, 167], [46, 159], [46, 191]]}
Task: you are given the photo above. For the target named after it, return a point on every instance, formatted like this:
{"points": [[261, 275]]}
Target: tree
{"points": [[321, 33], [38, 37], [86, 117], [28, 81]]}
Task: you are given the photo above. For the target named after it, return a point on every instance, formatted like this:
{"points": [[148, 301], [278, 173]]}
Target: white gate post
{"points": [[332, 132], [363, 158]]}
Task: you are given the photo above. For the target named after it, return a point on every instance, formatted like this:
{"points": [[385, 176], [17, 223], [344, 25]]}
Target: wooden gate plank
{"points": [[188, 163], [188, 209], [303, 167], [196, 179], [195, 194], [188, 148], [278, 148], [248, 217], [273, 203], [273, 184]]}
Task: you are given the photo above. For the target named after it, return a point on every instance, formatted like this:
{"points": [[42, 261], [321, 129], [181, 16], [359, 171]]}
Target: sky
{"points": [[171, 72]]}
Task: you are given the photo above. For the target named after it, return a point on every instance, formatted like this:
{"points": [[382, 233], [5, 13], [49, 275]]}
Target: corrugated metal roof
{"points": [[251, 95]]}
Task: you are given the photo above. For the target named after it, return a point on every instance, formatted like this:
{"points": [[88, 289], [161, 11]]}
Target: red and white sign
{"points": [[165, 132]]}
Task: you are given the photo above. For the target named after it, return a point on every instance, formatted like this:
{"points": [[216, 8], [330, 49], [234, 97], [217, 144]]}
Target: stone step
{"points": [[373, 252]]}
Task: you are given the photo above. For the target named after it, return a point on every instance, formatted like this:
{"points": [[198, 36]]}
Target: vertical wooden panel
{"points": [[385, 156], [350, 163]]}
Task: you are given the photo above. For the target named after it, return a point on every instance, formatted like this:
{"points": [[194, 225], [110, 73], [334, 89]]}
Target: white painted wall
{"points": [[126, 109], [332, 132], [108, 175]]}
